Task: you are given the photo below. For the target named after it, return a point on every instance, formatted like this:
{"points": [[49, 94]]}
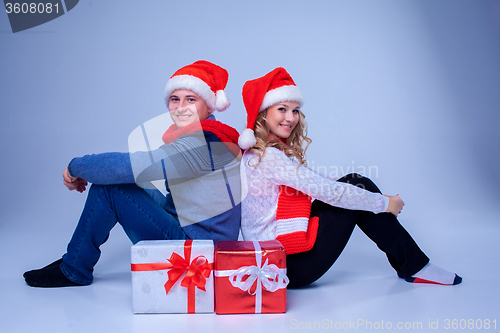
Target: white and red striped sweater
{"points": [[262, 220]]}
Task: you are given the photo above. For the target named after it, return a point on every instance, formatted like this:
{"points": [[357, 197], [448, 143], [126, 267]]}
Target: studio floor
{"points": [[360, 292], [409, 88]]}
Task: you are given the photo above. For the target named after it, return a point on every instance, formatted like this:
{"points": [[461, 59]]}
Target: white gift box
{"points": [[173, 276]]}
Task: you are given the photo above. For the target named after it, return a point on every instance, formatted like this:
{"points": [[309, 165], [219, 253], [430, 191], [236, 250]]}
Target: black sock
{"points": [[30, 273], [50, 276]]}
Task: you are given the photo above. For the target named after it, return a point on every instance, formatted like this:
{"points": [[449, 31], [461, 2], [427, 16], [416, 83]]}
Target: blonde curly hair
{"points": [[292, 147]]}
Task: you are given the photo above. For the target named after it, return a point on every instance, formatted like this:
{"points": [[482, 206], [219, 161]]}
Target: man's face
{"points": [[186, 107]]}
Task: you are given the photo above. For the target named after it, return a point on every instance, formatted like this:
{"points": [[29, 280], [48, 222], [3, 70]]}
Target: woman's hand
{"points": [[395, 204], [74, 183]]}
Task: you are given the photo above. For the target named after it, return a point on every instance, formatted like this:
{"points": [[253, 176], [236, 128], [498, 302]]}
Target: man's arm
{"points": [[187, 158]]}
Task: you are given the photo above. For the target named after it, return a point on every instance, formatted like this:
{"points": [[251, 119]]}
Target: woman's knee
{"points": [[360, 181]]}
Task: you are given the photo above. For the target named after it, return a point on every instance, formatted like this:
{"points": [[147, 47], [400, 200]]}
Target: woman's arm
{"points": [[277, 168]]}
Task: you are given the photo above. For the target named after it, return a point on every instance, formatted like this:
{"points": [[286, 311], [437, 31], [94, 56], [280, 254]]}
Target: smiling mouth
{"points": [[287, 127], [183, 116]]}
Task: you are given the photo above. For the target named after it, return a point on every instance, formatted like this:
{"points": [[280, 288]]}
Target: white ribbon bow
{"points": [[269, 276]]}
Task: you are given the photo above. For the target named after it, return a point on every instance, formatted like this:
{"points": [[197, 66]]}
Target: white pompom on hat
{"points": [[204, 78], [259, 94]]}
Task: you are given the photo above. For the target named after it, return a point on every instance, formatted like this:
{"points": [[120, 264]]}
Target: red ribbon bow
{"points": [[197, 272]]}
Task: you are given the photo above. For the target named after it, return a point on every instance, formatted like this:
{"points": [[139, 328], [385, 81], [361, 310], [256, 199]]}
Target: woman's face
{"points": [[282, 118], [186, 107]]}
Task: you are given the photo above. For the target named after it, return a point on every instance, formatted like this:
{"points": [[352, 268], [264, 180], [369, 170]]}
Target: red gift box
{"points": [[250, 277]]}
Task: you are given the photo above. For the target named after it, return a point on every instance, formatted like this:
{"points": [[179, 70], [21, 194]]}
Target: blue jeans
{"points": [[140, 216]]}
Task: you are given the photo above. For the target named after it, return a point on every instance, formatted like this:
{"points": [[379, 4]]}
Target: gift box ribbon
{"points": [[267, 276], [196, 272]]}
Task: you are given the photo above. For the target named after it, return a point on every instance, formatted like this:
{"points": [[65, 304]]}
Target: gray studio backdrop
{"points": [[405, 92]]}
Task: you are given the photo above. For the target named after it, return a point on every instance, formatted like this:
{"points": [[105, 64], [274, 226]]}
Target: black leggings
{"points": [[335, 228]]}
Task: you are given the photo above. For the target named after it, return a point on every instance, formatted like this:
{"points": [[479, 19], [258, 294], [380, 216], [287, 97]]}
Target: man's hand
{"points": [[74, 183]]}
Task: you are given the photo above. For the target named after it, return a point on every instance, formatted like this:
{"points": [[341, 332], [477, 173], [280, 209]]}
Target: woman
{"points": [[278, 190], [198, 162]]}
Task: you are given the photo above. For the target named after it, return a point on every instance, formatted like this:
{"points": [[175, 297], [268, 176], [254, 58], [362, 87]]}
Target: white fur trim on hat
{"points": [[247, 139], [221, 100], [194, 84], [282, 94]]}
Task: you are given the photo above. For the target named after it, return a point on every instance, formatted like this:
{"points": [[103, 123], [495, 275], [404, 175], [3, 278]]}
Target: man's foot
{"points": [[50, 276], [30, 273]]}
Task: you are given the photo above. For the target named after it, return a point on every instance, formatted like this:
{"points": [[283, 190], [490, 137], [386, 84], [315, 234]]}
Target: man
{"points": [[199, 162]]}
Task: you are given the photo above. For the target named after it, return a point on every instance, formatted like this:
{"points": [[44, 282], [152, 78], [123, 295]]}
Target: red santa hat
{"points": [[259, 94], [205, 79]]}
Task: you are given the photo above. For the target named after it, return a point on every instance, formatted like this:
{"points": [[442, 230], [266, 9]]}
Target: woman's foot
{"points": [[433, 274], [50, 276]]}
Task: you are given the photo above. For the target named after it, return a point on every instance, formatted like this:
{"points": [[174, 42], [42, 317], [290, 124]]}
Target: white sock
{"points": [[435, 274]]}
